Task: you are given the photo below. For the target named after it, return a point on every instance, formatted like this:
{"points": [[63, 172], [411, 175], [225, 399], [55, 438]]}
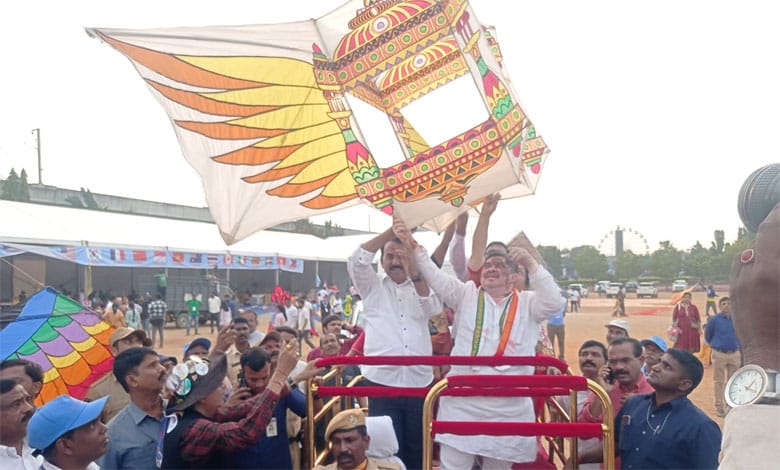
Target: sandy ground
{"points": [[587, 324]]}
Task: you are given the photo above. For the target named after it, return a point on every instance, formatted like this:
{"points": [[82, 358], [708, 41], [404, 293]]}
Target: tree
{"points": [[85, 200], [719, 243], [721, 264], [699, 262], [552, 258], [589, 263], [629, 265], [10, 187], [666, 262], [15, 187], [24, 187]]}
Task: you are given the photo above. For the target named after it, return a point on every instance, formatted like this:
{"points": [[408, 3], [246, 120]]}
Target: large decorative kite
{"points": [[69, 342], [267, 113]]}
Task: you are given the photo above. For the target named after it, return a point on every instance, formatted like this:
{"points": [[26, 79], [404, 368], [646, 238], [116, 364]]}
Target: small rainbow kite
{"points": [[68, 341]]}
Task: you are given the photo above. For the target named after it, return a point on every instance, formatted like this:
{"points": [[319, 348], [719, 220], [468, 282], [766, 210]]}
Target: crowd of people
{"points": [[239, 401]]}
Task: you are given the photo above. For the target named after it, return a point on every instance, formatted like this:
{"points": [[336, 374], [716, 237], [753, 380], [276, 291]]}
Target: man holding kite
{"points": [[495, 319]]}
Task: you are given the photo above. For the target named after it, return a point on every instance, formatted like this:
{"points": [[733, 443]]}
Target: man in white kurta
{"points": [[499, 274]]}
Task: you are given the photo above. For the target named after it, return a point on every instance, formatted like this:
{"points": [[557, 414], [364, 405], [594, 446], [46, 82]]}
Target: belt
{"points": [[726, 351]]}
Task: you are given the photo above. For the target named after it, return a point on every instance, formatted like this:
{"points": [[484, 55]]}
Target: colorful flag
{"points": [[140, 255], [177, 257], [160, 257], [196, 258], [117, 255], [213, 260], [68, 252], [94, 254]]}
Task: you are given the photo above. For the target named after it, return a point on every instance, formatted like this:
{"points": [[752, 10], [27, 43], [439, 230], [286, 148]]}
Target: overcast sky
{"points": [[655, 112]]}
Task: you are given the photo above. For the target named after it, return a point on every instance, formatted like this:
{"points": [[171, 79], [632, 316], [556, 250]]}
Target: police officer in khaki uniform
{"points": [[120, 340], [348, 441]]}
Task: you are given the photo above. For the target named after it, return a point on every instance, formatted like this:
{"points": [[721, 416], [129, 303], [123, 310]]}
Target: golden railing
{"points": [[473, 385]]}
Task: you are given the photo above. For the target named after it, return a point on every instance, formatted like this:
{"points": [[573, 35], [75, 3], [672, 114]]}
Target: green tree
{"points": [[24, 187], [699, 262], [89, 199], [629, 265], [85, 200], [666, 262], [588, 262], [721, 264], [719, 243], [552, 258], [11, 187]]}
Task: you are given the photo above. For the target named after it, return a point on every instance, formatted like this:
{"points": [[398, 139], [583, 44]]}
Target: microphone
{"points": [[758, 196]]}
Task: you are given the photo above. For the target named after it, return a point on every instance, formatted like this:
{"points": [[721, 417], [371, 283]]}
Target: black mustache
{"points": [[588, 363]]}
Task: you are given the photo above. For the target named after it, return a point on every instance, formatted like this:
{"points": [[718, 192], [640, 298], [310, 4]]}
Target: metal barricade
{"points": [[471, 385]]}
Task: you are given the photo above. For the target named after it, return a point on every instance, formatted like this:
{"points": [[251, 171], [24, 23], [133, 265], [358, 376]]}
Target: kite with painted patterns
{"points": [[267, 114]]}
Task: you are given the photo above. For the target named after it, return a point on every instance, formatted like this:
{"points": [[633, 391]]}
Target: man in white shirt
{"points": [[16, 410], [292, 313], [215, 303], [397, 309], [496, 319], [304, 322]]}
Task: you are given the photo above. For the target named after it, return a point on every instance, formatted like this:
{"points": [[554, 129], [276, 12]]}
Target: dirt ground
{"points": [[646, 317]]}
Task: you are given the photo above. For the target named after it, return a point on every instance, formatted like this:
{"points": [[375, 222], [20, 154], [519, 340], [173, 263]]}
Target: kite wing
{"points": [[69, 342], [265, 113], [255, 125]]}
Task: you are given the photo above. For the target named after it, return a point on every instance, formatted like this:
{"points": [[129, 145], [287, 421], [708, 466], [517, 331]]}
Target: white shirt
{"points": [[215, 303], [533, 308], [357, 315], [10, 459], [304, 317], [458, 257], [292, 316], [46, 465], [396, 320], [750, 438]]}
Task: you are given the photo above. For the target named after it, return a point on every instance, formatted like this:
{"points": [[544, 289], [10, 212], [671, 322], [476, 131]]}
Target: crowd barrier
{"points": [[555, 423]]}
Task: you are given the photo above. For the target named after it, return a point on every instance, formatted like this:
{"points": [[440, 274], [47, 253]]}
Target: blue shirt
{"points": [[719, 333], [273, 452], [711, 294], [557, 320], [132, 440], [675, 435]]}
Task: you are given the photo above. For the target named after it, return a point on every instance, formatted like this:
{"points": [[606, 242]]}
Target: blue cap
{"points": [[59, 416], [657, 340], [197, 342]]}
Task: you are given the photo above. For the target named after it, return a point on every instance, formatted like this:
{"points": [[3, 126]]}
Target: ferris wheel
{"points": [[623, 239]]}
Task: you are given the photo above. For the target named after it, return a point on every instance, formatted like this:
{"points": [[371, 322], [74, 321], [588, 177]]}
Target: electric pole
{"points": [[37, 133]]}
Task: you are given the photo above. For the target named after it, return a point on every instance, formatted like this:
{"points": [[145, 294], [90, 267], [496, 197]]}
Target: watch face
{"points": [[746, 386]]}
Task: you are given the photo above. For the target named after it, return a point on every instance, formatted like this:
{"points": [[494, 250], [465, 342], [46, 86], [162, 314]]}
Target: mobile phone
{"points": [[610, 378], [241, 379]]}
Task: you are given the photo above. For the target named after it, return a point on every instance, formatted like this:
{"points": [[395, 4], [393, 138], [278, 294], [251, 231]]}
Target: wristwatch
{"points": [[752, 384], [291, 383]]}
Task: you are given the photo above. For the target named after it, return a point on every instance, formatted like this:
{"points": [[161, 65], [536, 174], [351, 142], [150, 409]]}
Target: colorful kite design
{"points": [[69, 342], [263, 112]]}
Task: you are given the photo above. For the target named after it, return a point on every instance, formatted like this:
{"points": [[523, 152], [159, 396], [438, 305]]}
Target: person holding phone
{"points": [[622, 378]]}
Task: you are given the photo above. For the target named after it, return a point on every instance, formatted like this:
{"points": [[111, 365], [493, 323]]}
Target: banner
{"points": [[156, 258]]}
